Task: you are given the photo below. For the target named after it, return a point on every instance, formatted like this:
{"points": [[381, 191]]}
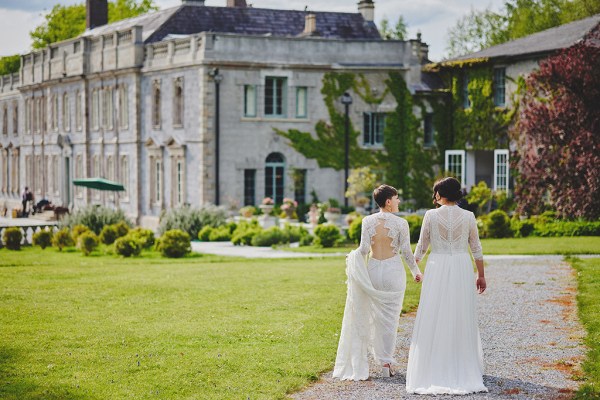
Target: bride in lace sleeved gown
{"points": [[445, 352], [375, 290]]}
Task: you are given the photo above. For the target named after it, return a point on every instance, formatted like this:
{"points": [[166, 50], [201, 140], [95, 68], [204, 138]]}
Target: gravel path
{"points": [[532, 339]]}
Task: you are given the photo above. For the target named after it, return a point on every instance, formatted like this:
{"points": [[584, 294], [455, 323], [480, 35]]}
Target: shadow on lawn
{"points": [[18, 387]]}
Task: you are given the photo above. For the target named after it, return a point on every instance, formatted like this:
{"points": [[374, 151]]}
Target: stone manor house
{"points": [[180, 105]]}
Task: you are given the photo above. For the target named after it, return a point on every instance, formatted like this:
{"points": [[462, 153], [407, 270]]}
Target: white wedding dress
{"points": [[375, 294], [445, 352]]}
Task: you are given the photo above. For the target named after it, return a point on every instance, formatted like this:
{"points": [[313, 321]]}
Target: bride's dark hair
{"points": [[382, 193], [448, 188]]}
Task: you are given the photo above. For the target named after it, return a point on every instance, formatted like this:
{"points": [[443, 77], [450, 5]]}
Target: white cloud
{"points": [[432, 18]]}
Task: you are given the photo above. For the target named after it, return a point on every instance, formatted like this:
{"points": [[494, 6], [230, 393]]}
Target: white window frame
{"points": [[463, 157], [498, 177], [250, 101], [301, 102], [66, 113]]}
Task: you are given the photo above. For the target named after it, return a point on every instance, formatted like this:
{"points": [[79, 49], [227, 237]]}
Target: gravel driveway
{"points": [[532, 339]]}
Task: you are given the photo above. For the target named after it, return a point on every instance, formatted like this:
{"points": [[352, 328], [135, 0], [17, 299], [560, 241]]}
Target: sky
{"points": [[432, 18]]}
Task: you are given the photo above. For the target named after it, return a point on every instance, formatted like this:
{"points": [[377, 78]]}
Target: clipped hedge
{"points": [[78, 230], [220, 234], [108, 235], [128, 245], [327, 235], [354, 230], [42, 238], [144, 236], [270, 237], [497, 225], [12, 238], [87, 242], [62, 239], [174, 243]]}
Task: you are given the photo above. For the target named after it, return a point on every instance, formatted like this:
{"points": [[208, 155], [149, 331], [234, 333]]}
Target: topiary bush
{"points": [[354, 230], [327, 235], [521, 228], [42, 238], [414, 226], [174, 243], [144, 236], [307, 240], [128, 245], [62, 239], [108, 235], [192, 220], [220, 234], [12, 238], [78, 230], [87, 242], [270, 237], [122, 228], [498, 225], [204, 234], [294, 233], [244, 237], [95, 218]]}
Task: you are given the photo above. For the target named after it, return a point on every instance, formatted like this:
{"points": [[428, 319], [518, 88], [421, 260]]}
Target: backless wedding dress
{"points": [[375, 294], [445, 353]]}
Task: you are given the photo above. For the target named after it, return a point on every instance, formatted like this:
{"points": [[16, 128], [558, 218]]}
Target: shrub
{"points": [[294, 233], [498, 225], [204, 233], [87, 242], [327, 235], [174, 243], [354, 230], [128, 245], [122, 228], [307, 240], [12, 238], [62, 239], [144, 236], [568, 228], [521, 228], [108, 235], [42, 238], [245, 236], [414, 226], [78, 230], [220, 234], [192, 220], [270, 237], [95, 218]]}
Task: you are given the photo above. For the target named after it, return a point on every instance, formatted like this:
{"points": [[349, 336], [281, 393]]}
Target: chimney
{"points": [[237, 3], [310, 25], [96, 13], [193, 2], [367, 9]]}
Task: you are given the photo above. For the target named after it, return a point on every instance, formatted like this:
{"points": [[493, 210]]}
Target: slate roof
{"points": [[540, 43], [190, 19]]}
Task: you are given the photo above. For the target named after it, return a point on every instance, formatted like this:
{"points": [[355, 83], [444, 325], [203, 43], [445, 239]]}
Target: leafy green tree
{"points": [[66, 22], [10, 64], [398, 32], [518, 18]]}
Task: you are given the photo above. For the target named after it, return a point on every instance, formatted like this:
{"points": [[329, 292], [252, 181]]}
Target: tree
{"points": [[10, 64], [557, 134], [518, 18], [66, 22], [398, 32]]}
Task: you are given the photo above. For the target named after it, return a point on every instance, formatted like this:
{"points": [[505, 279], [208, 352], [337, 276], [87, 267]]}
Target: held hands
{"points": [[481, 285], [419, 278]]}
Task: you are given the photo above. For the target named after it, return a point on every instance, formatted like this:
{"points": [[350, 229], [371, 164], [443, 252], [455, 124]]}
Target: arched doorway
{"points": [[274, 177]]}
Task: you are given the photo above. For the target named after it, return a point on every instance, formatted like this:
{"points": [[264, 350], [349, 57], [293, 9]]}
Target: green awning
{"points": [[99, 184]]}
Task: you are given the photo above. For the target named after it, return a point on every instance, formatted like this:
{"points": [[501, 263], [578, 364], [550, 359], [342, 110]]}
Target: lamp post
{"points": [[217, 78], [346, 101]]}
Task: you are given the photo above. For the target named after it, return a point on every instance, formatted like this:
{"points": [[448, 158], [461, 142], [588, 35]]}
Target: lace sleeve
{"points": [[365, 238], [474, 241], [405, 248], [424, 238]]}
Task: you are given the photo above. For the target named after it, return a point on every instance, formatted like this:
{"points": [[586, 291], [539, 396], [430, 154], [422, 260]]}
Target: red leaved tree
{"points": [[558, 134]]}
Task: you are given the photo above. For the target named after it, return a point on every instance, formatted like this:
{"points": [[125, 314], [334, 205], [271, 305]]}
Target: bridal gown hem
{"points": [[445, 354]]}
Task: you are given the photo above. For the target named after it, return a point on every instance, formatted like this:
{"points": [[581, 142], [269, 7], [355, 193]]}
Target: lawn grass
{"points": [[588, 301], [202, 327], [529, 245]]}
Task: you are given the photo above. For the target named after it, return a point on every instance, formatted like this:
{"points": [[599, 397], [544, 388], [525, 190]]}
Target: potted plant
{"points": [[332, 214], [247, 211], [267, 206], [361, 203], [289, 207]]}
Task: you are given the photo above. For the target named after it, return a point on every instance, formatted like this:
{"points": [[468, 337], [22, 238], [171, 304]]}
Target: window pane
{"points": [[269, 93], [249, 187], [301, 99], [499, 86], [250, 101], [428, 130], [465, 90]]}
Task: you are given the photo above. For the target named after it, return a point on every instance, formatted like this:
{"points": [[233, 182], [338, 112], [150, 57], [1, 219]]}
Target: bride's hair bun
{"points": [[449, 188]]}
